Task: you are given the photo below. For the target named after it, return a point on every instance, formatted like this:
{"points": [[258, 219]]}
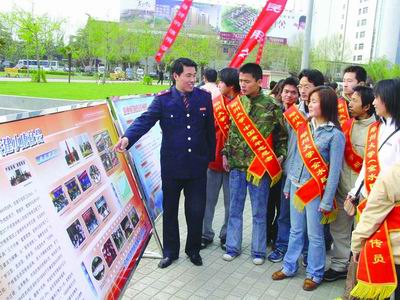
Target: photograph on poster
{"points": [[106, 160], [118, 238], [98, 268], [127, 227], [68, 149], [84, 144], [84, 180], [59, 198], [94, 173], [133, 216], [123, 188], [73, 189], [18, 172], [103, 141], [109, 252], [114, 158], [76, 233], [102, 207], [90, 220]]}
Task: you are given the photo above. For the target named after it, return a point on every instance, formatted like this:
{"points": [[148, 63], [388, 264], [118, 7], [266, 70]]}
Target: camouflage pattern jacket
{"points": [[267, 117]]}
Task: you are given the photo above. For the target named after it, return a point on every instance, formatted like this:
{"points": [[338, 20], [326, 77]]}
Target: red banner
{"points": [[174, 29], [260, 51], [270, 13]]}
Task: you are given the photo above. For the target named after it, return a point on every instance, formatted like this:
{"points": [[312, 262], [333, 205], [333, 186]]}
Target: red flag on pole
{"points": [[270, 13], [260, 50], [174, 29]]}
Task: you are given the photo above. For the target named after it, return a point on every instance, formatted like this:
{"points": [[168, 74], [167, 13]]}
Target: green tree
{"points": [[36, 31], [381, 68]]}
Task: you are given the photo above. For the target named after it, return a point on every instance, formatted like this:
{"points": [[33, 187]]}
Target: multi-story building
{"points": [[366, 29]]}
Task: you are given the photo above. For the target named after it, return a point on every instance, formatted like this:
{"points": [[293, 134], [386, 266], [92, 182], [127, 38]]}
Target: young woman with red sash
{"points": [[375, 241], [314, 176]]}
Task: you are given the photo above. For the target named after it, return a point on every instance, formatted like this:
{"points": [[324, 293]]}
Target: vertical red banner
{"points": [[260, 50], [270, 13], [174, 29]]}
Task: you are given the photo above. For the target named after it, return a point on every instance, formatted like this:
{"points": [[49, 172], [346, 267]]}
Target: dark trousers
{"points": [[273, 211], [195, 202]]}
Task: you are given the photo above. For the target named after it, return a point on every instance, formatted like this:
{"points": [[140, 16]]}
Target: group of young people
{"points": [[314, 151], [319, 140]]}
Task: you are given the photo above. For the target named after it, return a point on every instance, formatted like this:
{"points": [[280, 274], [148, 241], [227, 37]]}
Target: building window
{"points": [[356, 35], [341, 26], [358, 23], [360, 46], [354, 58], [362, 34], [359, 57], [355, 47], [365, 10], [363, 22], [359, 11]]}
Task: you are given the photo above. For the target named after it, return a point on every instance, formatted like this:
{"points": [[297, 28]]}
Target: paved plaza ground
{"points": [[218, 279]]}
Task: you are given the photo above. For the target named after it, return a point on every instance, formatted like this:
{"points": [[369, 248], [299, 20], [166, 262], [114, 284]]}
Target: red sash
{"points": [[343, 112], [376, 274], [318, 169], [265, 159], [371, 159], [294, 117], [353, 159], [221, 115]]}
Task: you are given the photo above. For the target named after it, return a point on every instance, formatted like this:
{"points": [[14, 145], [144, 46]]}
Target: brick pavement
{"points": [[218, 279]]}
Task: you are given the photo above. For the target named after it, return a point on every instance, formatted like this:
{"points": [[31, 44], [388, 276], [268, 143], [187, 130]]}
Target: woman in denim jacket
{"points": [[330, 142]]}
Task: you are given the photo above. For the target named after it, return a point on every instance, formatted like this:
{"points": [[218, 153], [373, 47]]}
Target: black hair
{"points": [[313, 75], [277, 90], [230, 76], [361, 74], [388, 90], [272, 84], [291, 81], [333, 85], [177, 66], [253, 69], [328, 104], [210, 75], [367, 97]]}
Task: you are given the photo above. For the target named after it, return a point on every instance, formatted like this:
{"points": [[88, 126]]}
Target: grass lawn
{"points": [[51, 76], [76, 91]]}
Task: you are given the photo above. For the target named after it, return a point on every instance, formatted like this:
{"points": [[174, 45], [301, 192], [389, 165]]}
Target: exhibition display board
{"points": [[145, 153], [72, 221]]}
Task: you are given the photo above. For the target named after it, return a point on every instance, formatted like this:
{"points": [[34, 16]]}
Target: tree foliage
{"points": [[382, 69]]}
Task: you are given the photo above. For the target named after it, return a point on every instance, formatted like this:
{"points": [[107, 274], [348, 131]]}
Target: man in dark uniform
{"points": [[188, 145]]}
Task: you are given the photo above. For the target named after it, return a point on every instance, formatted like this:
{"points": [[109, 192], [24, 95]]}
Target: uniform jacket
{"points": [[188, 137]]}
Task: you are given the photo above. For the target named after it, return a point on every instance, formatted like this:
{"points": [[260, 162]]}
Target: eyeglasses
{"points": [[306, 87]]}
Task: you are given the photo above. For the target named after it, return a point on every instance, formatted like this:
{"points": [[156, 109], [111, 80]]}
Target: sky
{"points": [[74, 12]]}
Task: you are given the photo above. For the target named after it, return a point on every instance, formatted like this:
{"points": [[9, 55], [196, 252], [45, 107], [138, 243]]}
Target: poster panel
{"points": [[146, 152], [72, 224]]}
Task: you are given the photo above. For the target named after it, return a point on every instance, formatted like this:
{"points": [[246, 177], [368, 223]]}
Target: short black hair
{"points": [[177, 66], [272, 84], [333, 85], [367, 97], [210, 75], [313, 75], [253, 69], [388, 90], [230, 76], [361, 74], [291, 81]]}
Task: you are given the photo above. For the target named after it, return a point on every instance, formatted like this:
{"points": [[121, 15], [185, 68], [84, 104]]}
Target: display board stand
{"points": [[147, 254]]}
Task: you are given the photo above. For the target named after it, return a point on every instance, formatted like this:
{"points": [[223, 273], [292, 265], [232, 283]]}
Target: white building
{"points": [[367, 29]]}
